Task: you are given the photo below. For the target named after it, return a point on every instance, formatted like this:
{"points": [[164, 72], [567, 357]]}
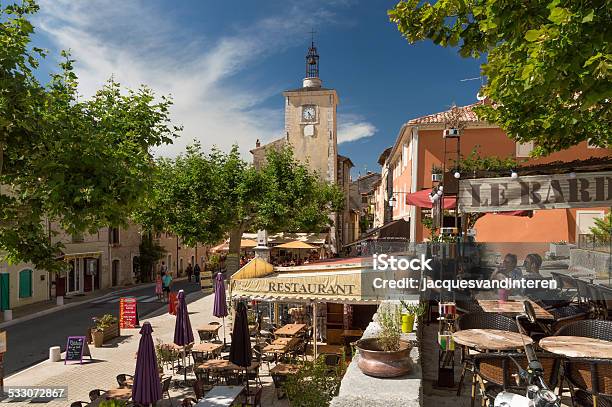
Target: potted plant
{"points": [[385, 355], [412, 311], [105, 328], [436, 174]]}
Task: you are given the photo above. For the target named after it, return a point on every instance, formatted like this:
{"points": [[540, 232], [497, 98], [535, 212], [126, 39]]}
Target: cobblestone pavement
{"points": [[119, 357]]}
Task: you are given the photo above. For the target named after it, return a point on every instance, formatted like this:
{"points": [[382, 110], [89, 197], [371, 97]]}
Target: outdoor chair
{"points": [[496, 372], [166, 389], [602, 298], [216, 335], [482, 320], [200, 387], [331, 360], [189, 402], [590, 381], [231, 378], [95, 394], [300, 350], [205, 336], [122, 380], [279, 381], [253, 398], [588, 328]]}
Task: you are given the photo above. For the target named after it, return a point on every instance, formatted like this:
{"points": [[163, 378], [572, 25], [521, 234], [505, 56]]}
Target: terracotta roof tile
{"points": [[467, 115]]}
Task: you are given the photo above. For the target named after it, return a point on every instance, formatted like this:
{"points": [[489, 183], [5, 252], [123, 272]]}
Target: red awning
{"points": [[421, 200]]}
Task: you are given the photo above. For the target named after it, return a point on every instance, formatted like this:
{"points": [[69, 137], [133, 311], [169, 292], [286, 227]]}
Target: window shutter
{"points": [[25, 283]]}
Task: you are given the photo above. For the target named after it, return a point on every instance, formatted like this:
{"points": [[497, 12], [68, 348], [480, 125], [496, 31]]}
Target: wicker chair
{"points": [[486, 320], [591, 376], [588, 328], [496, 372], [482, 320]]}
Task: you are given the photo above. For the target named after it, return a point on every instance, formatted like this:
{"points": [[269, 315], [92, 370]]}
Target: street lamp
{"points": [[392, 201]]}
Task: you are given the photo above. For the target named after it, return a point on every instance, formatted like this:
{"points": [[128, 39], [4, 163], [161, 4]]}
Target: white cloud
{"points": [[353, 128], [131, 42]]}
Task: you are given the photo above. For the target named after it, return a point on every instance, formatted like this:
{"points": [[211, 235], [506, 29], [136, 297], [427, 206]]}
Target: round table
{"points": [[491, 339], [577, 347]]}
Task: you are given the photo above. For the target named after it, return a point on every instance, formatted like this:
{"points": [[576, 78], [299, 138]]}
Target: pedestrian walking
{"points": [[196, 273], [158, 287], [189, 271], [166, 283]]}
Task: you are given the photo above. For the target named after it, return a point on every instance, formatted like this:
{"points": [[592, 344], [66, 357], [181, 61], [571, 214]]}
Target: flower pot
{"points": [[98, 338], [407, 323], [373, 361]]}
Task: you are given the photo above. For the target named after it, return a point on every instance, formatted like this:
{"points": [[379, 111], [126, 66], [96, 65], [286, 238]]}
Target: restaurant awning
{"points": [[295, 245], [421, 199], [341, 282]]}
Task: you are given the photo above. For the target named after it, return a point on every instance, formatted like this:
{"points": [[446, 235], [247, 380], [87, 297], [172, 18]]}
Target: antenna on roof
{"points": [[478, 95]]}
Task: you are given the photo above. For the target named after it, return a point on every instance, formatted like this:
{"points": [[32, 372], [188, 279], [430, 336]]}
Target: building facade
{"points": [[311, 131], [419, 147]]}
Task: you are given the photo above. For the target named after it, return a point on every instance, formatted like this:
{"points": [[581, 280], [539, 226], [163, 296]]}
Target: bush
{"points": [[314, 385]]}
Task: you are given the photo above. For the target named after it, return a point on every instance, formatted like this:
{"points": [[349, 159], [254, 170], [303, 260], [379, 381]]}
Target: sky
{"points": [[226, 64]]}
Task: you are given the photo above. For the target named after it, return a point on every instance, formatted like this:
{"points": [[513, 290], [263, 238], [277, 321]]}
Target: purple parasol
{"points": [[147, 386], [220, 305], [183, 334]]}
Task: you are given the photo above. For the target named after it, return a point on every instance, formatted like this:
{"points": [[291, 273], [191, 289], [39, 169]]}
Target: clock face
{"points": [[309, 113]]}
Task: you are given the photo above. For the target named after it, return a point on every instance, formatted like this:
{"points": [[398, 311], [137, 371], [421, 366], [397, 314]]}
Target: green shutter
{"points": [[25, 283]]}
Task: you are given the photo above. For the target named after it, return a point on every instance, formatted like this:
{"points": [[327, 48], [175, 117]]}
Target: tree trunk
{"points": [[233, 255]]}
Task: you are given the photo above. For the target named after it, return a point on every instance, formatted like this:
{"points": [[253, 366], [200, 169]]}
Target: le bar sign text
{"points": [[536, 192]]}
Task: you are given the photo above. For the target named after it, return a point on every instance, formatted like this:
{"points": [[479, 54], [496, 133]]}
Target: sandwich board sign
{"points": [[76, 348], [128, 312]]}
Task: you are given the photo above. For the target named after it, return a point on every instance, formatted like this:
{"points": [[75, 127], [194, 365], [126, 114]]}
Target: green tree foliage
{"points": [[549, 62], [150, 253], [83, 163], [203, 197], [602, 231]]}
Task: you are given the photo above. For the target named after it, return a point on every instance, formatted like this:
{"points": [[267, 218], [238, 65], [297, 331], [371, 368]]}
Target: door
{"points": [[5, 285], [115, 273], [585, 220], [72, 276]]}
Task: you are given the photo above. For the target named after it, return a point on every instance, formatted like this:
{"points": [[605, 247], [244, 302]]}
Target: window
{"points": [[113, 236], [25, 283], [524, 149], [404, 155]]}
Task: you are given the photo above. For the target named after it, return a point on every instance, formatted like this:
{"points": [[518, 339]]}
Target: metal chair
{"points": [[253, 399], [166, 389], [122, 380], [205, 336], [95, 394], [279, 381]]}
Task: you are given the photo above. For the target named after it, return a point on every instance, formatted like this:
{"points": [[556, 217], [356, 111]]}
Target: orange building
{"points": [[420, 146]]}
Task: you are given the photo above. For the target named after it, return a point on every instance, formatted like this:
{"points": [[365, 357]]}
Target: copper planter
{"points": [[376, 362]]}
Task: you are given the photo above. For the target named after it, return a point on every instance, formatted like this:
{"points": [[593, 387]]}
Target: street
{"points": [[28, 342]]}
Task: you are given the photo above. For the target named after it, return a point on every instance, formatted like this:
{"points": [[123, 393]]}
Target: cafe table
{"points": [[577, 347], [207, 347], [290, 330], [513, 307], [221, 396], [212, 328], [281, 345], [112, 394], [490, 339], [222, 364], [285, 369]]}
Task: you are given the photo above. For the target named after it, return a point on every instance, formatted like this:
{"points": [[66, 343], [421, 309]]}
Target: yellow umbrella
{"points": [[296, 244], [244, 244]]}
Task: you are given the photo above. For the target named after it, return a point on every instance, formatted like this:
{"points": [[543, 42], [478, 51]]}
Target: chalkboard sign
{"points": [[76, 348], [128, 312]]}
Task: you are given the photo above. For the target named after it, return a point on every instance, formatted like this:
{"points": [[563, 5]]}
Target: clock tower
{"points": [[310, 121]]}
